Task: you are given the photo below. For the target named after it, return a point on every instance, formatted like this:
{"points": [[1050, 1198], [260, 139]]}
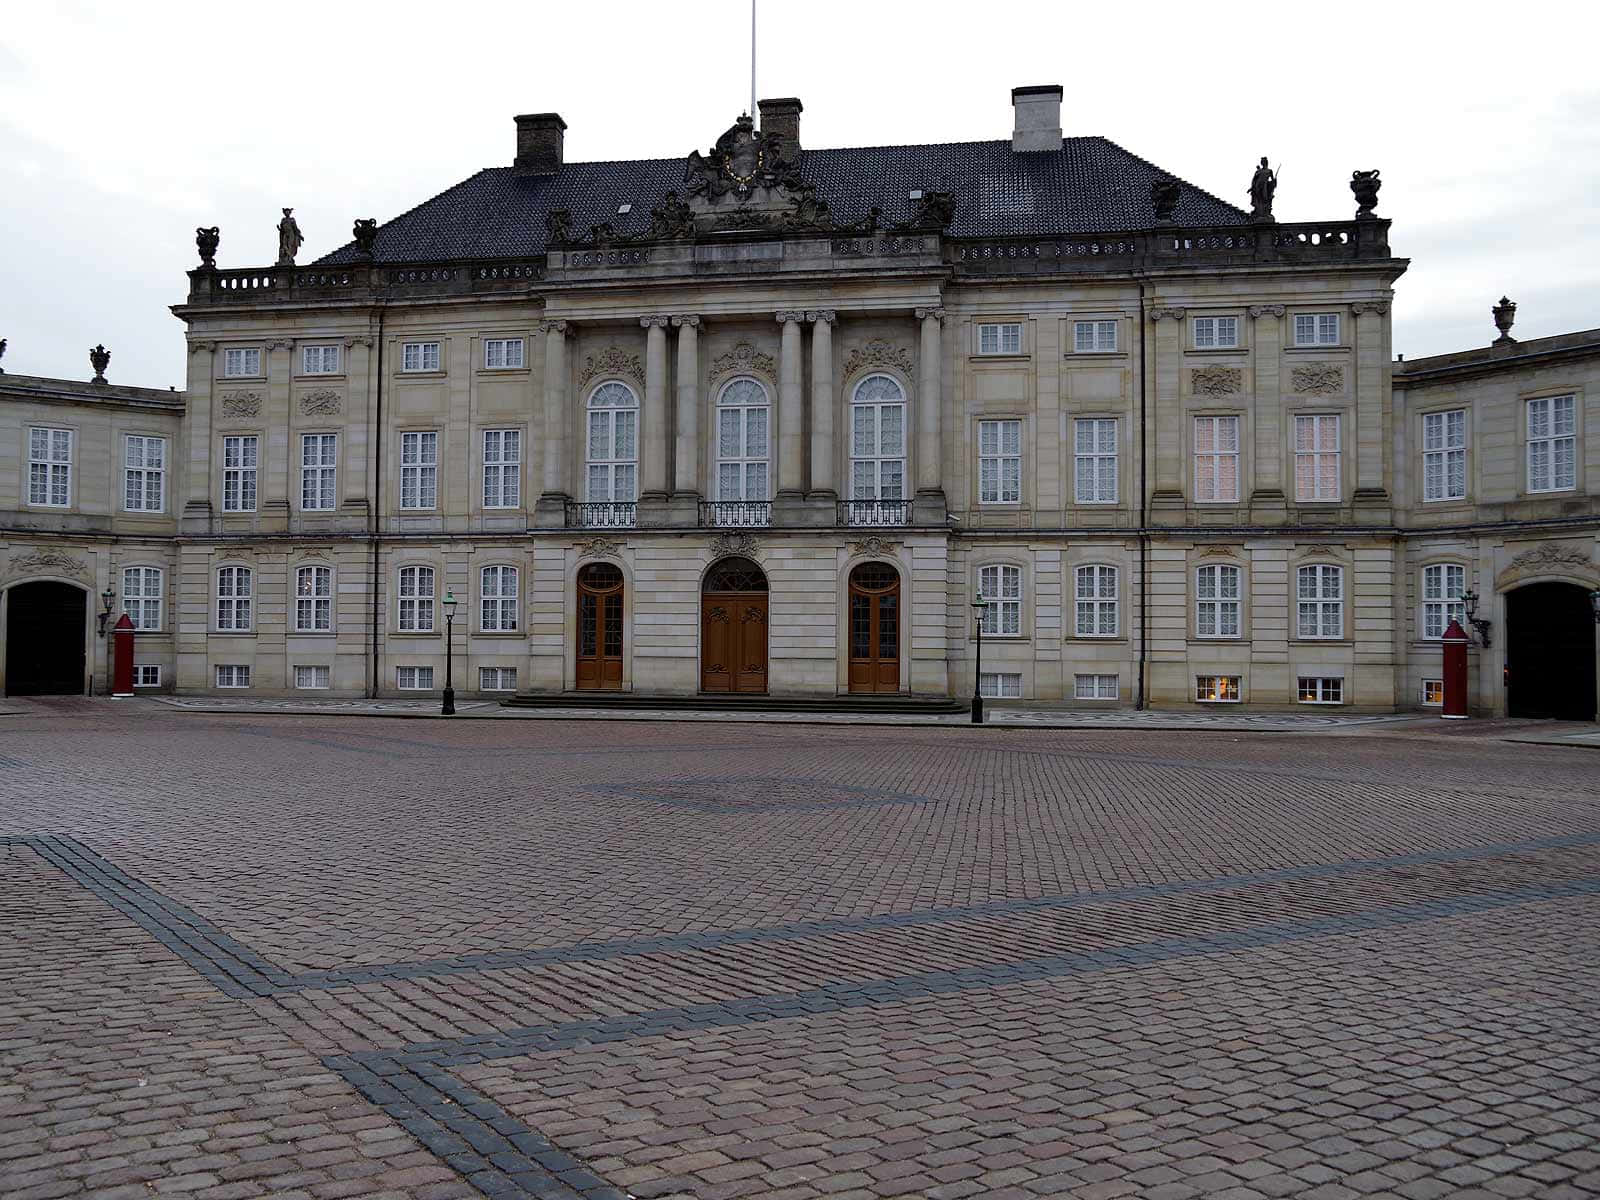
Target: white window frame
{"points": [[499, 590], [1094, 467], [1096, 336], [420, 676], [1097, 607], [1435, 687], [1321, 450], [1444, 456], [1216, 333], [611, 444], [241, 460], [497, 679], [1000, 588], [1321, 692], [238, 675], [1000, 461], [313, 669], [319, 472], [320, 359], [50, 466], [1000, 685], [503, 354], [1557, 429], [1217, 458], [1225, 689], [313, 599], [877, 463], [999, 338], [242, 362], [419, 357], [143, 590], [1218, 616], [233, 587], [1439, 605], [416, 587], [1316, 329], [419, 470], [146, 675], [502, 468], [1095, 688], [144, 473], [1319, 602], [744, 440]]}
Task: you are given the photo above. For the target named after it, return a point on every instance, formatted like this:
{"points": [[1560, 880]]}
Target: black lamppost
{"points": [[977, 674], [107, 599], [449, 709], [1469, 602]]}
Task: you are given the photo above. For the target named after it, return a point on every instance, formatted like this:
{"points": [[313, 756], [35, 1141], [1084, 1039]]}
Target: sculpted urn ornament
{"points": [[1365, 185], [99, 359], [206, 241], [1505, 315], [290, 239], [1263, 186], [366, 233]]}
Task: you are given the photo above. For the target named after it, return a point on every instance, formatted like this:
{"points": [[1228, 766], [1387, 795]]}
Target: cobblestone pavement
{"points": [[248, 955]]}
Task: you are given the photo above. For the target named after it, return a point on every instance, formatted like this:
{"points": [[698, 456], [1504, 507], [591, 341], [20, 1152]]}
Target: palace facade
{"points": [[795, 421]]}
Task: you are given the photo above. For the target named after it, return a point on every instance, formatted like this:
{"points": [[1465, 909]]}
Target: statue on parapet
{"points": [[1263, 186], [99, 359], [1365, 185], [206, 241], [1164, 194], [365, 232], [290, 239]]}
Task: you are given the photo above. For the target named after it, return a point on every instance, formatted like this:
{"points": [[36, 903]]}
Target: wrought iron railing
{"points": [[874, 512], [600, 514], [736, 514]]}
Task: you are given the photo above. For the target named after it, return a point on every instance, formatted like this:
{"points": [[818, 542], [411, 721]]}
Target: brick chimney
{"points": [[782, 117], [539, 143], [1037, 118]]}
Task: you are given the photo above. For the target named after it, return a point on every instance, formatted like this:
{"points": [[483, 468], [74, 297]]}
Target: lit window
{"points": [[144, 473], [1316, 457], [999, 462], [1444, 455], [311, 679], [1095, 459], [244, 364], [1216, 689], [141, 596], [1217, 601], [319, 468], [1433, 692], [1321, 689], [1000, 685], [233, 675], [419, 470], [1095, 687], [234, 588], [414, 679], [313, 600], [1002, 338], [502, 353], [1216, 459], [419, 356], [878, 440], [146, 676], [240, 456], [319, 360], [416, 600], [1320, 596], [1316, 329], [498, 587], [497, 679], [613, 444], [50, 467], [1216, 333], [502, 468], [1442, 585], [1097, 601], [743, 418], [1552, 444], [1000, 588], [1094, 337]]}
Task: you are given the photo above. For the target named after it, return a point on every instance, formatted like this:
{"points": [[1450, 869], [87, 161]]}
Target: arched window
{"points": [[1097, 601], [416, 600], [141, 596], [878, 440], [1000, 588], [743, 419], [1217, 591], [234, 589], [613, 444], [735, 575], [1319, 594], [498, 595], [313, 600]]}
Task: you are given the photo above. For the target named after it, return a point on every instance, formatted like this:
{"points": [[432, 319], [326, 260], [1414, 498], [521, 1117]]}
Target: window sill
{"points": [[1017, 357], [330, 377], [313, 633], [1332, 346], [1095, 354], [241, 378], [1098, 639], [496, 633], [420, 374], [501, 371], [417, 635], [1218, 350]]}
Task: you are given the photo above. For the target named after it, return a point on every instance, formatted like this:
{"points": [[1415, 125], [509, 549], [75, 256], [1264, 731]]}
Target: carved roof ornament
{"points": [[320, 402], [1364, 185], [743, 160], [1164, 194], [612, 361], [206, 241], [598, 548], [877, 353], [873, 544], [49, 562], [365, 232], [742, 545], [290, 238], [1263, 187], [1216, 381], [2, 353], [241, 404], [99, 359], [1318, 379], [932, 212], [743, 359], [1505, 315]]}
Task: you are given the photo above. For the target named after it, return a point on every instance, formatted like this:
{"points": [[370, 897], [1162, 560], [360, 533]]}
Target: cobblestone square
{"points": [[334, 956]]}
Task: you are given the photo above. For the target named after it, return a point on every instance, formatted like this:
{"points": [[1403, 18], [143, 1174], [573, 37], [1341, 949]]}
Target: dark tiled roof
{"points": [[1091, 186]]}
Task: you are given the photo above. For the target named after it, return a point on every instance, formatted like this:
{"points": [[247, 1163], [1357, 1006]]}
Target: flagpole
{"points": [[752, 58]]}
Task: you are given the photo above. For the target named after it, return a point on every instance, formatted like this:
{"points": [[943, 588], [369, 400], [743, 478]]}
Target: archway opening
{"points": [[733, 627], [874, 632], [45, 651], [600, 589], [1550, 652]]}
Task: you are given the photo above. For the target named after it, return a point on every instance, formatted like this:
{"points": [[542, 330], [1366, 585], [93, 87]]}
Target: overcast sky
{"points": [[123, 126]]}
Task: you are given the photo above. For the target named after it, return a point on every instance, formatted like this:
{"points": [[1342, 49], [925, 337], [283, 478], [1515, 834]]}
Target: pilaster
{"points": [[686, 476], [788, 506], [551, 510], [1372, 417], [1167, 416], [355, 451], [929, 506], [824, 484], [653, 434], [1268, 505], [277, 454], [196, 512]]}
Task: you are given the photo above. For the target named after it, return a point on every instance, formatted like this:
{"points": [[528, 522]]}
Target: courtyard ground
{"points": [[327, 956]]}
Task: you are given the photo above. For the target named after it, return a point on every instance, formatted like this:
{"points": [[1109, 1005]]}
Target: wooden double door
{"points": [[874, 628], [733, 628], [599, 664]]}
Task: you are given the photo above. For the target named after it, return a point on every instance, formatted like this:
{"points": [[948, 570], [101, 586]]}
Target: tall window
{"points": [[416, 600], [313, 600], [1316, 329], [999, 462], [613, 444], [144, 477], [1095, 459], [1002, 338], [1097, 601], [1000, 588], [50, 467], [1442, 585], [502, 353], [141, 596], [1444, 455], [743, 418], [1094, 336], [1216, 604], [242, 363], [419, 470], [1216, 458], [419, 356], [1320, 595], [239, 458], [1216, 333], [234, 587], [878, 440], [502, 468], [498, 591], [1552, 443], [319, 459], [319, 360], [1316, 457]]}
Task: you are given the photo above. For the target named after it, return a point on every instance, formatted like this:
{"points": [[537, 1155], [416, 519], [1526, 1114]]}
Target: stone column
{"points": [[1268, 504], [1372, 392], [686, 478], [791, 417], [653, 434], [196, 511], [551, 511], [824, 487]]}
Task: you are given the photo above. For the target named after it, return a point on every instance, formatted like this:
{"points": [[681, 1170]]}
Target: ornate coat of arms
{"points": [[742, 161]]}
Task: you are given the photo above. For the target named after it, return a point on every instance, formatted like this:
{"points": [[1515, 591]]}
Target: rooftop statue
{"points": [[290, 239], [1164, 194], [206, 241], [99, 359], [365, 232], [1263, 186], [1365, 185]]}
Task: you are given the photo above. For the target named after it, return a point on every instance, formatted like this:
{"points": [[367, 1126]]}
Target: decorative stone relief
{"points": [[1219, 552], [314, 553], [599, 548], [877, 353], [49, 562], [612, 361], [744, 545], [873, 544], [320, 402], [363, 340], [1160, 314], [197, 347], [1552, 558], [1267, 310], [1216, 381], [1378, 307], [241, 404], [743, 359], [1318, 379]]}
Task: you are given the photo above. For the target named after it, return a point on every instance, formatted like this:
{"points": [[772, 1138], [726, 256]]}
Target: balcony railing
{"points": [[600, 514], [736, 514], [874, 512]]}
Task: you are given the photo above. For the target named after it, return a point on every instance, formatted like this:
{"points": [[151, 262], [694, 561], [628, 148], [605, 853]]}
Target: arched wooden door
{"points": [[733, 628], [45, 653], [600, 627], [874, 628]]}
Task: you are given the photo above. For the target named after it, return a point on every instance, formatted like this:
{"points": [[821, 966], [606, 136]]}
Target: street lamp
{"points": [[1469, 601], [977, 674], [449, 709], [107, 599]]}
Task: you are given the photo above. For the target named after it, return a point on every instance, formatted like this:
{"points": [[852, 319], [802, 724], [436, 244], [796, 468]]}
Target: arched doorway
{"points": [[1550, 632], [45, 653], [874, 628], [600, 627], [733, 627]]}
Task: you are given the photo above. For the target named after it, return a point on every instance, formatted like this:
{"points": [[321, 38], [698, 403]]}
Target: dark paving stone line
{"points": [[669, 793]]}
